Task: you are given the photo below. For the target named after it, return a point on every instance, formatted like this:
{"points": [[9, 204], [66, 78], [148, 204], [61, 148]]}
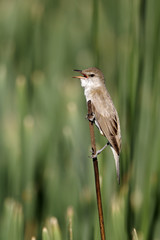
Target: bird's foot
{"points": [[94, 155], [90, 117]]}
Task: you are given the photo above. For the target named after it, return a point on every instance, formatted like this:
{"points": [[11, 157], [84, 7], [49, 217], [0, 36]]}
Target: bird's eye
{"points": [[91, 75]]}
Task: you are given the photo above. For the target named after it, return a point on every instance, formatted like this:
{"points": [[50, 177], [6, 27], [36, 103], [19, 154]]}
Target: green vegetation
{"points": [[44, 140]]}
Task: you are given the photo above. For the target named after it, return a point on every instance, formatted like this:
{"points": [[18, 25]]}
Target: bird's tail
{"points": [[116, 157]]}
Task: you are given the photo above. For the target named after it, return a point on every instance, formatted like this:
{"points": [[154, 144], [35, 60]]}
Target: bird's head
{"points": [[91, 77]]}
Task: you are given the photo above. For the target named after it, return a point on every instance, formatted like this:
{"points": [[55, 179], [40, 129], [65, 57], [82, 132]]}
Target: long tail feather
{"points": [[116, 158]]}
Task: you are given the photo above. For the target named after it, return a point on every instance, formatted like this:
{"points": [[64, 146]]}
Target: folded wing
{"points": [[107, 119]]}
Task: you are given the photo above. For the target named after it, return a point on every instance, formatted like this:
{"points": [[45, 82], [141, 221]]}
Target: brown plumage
{"points": [[105, 114]]}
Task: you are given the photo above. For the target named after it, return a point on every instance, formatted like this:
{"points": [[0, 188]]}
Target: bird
{"points": [[105, 115]]}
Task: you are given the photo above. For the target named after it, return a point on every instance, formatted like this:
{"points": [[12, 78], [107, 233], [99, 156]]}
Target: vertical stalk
{"points": [[96, 173]]}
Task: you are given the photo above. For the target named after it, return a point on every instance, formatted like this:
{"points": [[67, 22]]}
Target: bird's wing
{"points": [[107, 119]]}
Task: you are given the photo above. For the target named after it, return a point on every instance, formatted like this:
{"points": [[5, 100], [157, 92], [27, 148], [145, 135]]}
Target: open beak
{"points": [[80, 71]]}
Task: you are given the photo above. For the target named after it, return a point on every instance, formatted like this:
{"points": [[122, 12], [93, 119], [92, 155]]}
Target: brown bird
{"points": [[105, 115]]}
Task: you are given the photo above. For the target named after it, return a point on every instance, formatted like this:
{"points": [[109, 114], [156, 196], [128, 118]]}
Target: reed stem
{"points": [[96, 173]]}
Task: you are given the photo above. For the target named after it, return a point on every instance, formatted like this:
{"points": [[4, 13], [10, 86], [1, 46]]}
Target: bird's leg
{"points": [[90, 117], [99, 151]]}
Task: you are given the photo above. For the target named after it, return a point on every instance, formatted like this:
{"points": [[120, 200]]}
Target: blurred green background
{"points": [[44, 140]]}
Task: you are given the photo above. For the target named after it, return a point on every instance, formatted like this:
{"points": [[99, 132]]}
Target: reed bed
{"points": [[44, 140]]}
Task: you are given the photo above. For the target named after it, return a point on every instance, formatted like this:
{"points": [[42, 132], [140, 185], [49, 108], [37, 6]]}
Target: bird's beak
{"points": [[84, 75]]}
